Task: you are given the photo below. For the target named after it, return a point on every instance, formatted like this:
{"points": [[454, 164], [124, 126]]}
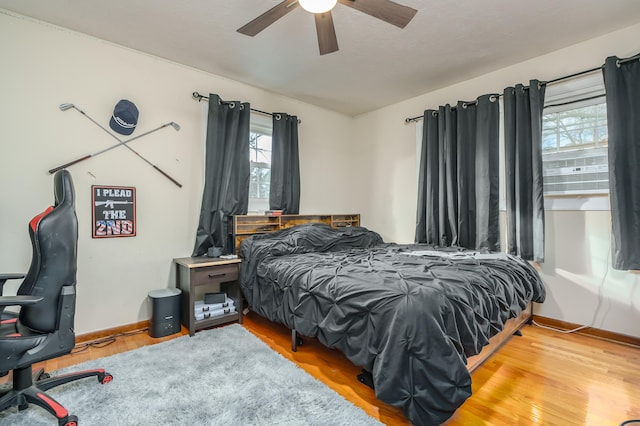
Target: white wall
{"points": [[581, 288], [44, 66], [365, 165]]}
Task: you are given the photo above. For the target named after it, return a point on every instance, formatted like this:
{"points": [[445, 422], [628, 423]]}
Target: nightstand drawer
{"points": [[208, 274]]}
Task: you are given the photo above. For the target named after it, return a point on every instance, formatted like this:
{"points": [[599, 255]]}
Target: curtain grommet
{"points": [[277, 116]]}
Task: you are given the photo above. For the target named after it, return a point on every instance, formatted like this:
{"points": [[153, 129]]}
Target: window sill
{"points": [[577, 202]]}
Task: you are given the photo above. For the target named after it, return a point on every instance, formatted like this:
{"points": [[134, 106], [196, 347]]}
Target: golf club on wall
{"points": [[95, 154], [67, 106]]}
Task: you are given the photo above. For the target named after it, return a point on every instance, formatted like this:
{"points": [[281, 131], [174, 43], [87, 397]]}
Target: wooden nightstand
{"points": [[196, 276]]}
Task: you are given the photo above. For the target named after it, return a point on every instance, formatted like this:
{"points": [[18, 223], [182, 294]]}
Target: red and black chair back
{"points": [[43, 328], [54, 239]]}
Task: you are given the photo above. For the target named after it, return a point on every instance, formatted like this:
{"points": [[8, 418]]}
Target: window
{"points": [[575, 138], [260, 163]]}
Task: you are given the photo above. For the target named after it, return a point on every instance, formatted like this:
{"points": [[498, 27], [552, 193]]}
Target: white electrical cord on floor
{"points": [[559, 330]]}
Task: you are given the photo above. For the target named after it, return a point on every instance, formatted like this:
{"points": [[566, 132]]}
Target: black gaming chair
{"points": [[42, 329]]}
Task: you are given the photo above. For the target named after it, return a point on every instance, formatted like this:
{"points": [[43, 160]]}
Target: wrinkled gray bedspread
{"points": [[410, 314]]}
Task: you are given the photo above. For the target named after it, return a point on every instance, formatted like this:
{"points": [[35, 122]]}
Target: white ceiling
{"points": [[377, 64]]}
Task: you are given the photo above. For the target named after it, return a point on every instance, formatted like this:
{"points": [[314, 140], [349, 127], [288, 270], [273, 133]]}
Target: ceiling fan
{"points": [[386, 10]]}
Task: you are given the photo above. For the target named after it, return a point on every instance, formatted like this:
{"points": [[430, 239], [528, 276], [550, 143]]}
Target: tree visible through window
{"points": [[579, 128], [260, 158]]}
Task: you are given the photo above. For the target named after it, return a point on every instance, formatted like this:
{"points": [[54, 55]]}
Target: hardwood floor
{"points": [[540, 378]]}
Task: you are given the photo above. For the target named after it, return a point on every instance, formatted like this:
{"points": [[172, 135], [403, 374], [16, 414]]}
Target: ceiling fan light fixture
{"points": [[317, 6]]}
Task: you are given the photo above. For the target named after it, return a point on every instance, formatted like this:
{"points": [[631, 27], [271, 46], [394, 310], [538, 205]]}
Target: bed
{"points": [[414, 316]]}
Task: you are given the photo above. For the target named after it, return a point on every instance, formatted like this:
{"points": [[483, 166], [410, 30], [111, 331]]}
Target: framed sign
{"points": [[113, 211]]}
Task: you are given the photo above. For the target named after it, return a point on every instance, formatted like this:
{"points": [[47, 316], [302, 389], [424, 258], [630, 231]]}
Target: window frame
{"points": [[262, 125], [578, 92]]}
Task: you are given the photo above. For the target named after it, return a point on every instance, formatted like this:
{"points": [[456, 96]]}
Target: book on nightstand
{"points": [[219, 297]]}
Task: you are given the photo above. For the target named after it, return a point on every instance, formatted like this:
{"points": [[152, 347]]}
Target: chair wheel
{"points": [[70, 420], [105, 378]]}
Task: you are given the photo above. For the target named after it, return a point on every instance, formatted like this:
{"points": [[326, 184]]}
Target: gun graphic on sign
{"points": [[110, 204]]}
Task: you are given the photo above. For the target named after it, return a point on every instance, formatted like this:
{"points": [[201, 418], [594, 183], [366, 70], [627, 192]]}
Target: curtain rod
{"points": [[555, 80], [493, 97], [198, 97]]}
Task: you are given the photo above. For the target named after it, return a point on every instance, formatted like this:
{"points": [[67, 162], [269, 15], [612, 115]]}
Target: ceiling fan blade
{"points": [[268, 18], [327, 40], [387, 10]]}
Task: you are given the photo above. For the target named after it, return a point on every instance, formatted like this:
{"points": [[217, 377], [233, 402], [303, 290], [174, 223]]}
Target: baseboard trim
{"points": [[549, 322], [590, 331], [110, 332]]}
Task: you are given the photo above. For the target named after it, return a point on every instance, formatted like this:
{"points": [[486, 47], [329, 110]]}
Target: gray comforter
{"points": [[409, 314]]}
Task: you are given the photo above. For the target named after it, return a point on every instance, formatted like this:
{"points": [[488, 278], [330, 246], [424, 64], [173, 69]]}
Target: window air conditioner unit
{"points": [[583, 171]]}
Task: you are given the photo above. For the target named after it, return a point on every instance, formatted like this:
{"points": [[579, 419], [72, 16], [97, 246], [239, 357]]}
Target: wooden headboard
{"points": [[243, 226]]}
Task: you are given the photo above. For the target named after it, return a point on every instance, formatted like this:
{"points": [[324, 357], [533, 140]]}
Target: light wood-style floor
{"points": [[540, 378]]}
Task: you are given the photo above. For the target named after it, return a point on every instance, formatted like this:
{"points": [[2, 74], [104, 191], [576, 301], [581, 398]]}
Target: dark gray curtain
{"points": [[226, 186], [622, 85], [523, 173], [458, 188], [284, 188]]}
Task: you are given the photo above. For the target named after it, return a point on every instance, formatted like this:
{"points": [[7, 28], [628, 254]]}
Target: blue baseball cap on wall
{"points": [[124, 118]]}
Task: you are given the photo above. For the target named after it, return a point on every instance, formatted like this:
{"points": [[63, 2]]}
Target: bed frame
{"points": [[511, 327], [243, 226]]}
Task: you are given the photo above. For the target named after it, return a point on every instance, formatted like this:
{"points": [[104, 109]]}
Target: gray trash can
{"points": [[165, 312]]}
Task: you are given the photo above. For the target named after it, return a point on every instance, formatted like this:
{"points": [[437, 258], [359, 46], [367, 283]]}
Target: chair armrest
{"points": [[19, 300], [12, 276], [5, 277]]}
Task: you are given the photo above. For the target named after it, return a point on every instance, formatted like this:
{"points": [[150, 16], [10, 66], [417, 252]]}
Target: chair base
{"points": [[30, 388]]}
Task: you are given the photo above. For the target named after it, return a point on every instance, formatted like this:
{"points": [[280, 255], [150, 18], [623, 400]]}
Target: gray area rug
{"points": [[224, 376]]}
